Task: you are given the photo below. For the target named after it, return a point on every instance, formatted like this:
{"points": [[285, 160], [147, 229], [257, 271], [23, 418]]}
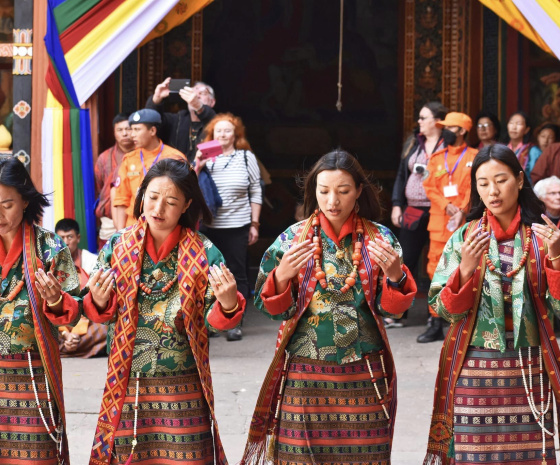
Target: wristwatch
{"points": [[399, 283]]}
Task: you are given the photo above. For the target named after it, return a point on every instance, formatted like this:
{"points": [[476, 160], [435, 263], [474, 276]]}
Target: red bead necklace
{"points": [[496, 269], [16, 290], [318, 255], [157, 275]]}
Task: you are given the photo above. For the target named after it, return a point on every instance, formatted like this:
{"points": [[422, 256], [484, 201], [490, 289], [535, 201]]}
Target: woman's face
{"points": [[224, 133], [517, 127], [545, 138], [552, 198], [336, 195], [164, 204], [499, 188], [485, 130], [12, 206], [427, 122]]}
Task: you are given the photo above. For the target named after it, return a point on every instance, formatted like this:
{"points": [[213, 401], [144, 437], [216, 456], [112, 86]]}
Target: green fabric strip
{"points": [[64, 88], [79, 202], [70, 11]]}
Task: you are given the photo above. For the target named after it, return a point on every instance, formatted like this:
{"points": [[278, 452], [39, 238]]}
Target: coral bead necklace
{"points": [[156, 276], [318, 255], [496, 269]]}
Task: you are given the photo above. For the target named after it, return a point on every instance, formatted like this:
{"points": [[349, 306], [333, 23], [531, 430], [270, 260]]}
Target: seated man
{"points": [[86, 339], [149, 149]]}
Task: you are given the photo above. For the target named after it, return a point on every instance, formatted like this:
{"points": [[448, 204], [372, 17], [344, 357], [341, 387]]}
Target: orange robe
{"points": [[131, 174], [434, 184]]}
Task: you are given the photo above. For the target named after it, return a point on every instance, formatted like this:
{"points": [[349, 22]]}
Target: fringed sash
{"points": [[440, 441], [260, 432], [192, 271], [48, 346]]}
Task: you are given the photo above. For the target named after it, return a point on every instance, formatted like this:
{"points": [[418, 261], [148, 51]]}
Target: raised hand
{"points": [[224, 285], [100, 285], [471, 251], [161, 91], [383, 253]]}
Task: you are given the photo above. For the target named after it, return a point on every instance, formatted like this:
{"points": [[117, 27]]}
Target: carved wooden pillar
{"points": [[196, 47], [22, 57]]}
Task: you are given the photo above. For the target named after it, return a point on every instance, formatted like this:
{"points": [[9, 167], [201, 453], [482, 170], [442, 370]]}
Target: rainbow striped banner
{"points": [[538, 20], [86, 41]]}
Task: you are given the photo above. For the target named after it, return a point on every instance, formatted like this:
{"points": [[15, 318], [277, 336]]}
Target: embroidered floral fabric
{"points": [[335, 327], [489, 331], [161, 344], [17, 333]]}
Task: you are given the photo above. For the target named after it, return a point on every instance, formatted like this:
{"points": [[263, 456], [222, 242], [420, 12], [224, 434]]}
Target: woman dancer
{"points": [[498, 283], [164, 286], [330, 393]]}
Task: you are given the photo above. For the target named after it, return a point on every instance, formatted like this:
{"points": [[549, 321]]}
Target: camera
{"points": [[419, 168]]}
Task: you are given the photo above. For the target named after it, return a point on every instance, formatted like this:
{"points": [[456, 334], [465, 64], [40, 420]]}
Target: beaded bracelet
{"points": [[233, 310], [54, 304], [553, 258]]}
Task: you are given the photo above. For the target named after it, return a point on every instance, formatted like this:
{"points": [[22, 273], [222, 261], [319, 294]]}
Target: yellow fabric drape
{"points": [[178, 15], [506, 10]]}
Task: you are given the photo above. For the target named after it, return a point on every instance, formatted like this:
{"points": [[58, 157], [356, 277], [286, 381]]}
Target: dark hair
{"points": [[13, 174], [526, 137], [186, 180], [120, 118], [152, 125], [437, 109], [554, 127], [492, 117], [531, 206], [369, 204], [67, 224]]}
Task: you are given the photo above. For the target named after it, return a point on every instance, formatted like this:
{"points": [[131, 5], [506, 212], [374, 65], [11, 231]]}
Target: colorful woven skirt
{"points": [[23, 436], [173, 422], [493, 422], [330, 414]]}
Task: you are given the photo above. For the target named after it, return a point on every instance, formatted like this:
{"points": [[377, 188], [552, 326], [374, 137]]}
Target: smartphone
{"points": [[175, 85]]}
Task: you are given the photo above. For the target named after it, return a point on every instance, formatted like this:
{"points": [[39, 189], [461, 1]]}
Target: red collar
{"points": [[347, 228], [499, 233], [169, 244], [16, 249]]}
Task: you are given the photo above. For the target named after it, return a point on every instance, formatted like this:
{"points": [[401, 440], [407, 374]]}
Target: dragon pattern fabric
{"points": [[161, 344], [335, 327]]}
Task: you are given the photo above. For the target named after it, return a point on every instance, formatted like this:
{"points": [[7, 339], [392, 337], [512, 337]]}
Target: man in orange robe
{"points": [[448, 186], [149, 149]]}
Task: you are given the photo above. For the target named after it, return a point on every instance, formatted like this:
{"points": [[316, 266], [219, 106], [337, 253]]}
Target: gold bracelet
{"points": [[55, 303], [233, 310], [553, 258]]}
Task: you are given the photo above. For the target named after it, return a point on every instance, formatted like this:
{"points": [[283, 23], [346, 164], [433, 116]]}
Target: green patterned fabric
{"points": [[335, 327], [17, 333], [161, 346], [489, 330]]}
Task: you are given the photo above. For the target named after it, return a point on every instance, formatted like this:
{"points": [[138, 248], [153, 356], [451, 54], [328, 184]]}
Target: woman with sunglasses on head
{"points": [[411, 206], [498, 284]]}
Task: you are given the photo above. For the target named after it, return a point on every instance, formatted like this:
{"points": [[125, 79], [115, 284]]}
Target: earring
{"points": [[142, 205], [357, 207]]}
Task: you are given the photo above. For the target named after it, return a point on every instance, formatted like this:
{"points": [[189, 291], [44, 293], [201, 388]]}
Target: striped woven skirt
{"points": [[173, 422], [493, 422], [330, 414], [23, 436]]}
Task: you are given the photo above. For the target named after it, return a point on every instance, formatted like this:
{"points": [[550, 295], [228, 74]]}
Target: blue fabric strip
{"points": [[54, 49]]}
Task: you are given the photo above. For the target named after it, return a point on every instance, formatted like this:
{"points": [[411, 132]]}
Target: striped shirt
{"points": [[235, 180]]}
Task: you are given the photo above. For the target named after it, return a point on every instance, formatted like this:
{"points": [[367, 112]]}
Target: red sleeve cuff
{"points": [[552, 279], [395, 300], [276, 304], [70, 310], [458, 300], [94, 315], [221, 321]]}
